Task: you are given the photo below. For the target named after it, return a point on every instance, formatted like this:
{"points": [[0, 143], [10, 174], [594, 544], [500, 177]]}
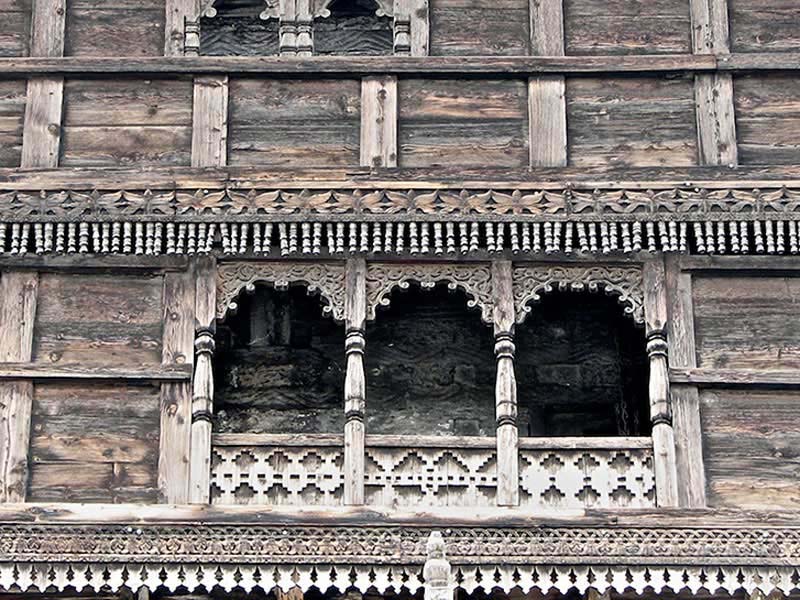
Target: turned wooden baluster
{"points": [[355, 381], [505, 386], [655, 305]]}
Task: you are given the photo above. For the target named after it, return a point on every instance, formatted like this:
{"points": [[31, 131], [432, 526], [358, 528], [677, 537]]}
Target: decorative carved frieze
{"points": [[474, 279], [325, 278], [625, 283]]}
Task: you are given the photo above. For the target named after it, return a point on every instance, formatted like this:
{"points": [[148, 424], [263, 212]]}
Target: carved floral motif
{"points": [[626, 283], [325, 278], [474, 279]]}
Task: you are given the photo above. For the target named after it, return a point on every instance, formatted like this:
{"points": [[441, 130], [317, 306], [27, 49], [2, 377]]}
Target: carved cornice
{"points": [[328, 279], [625, 283], [474, 279]]}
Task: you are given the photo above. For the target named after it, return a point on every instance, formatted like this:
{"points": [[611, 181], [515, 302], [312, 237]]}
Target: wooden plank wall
{"points": [[15, 27], [764, 25], [118, 122], [123, 28], [469, 27], [745, 334], [294, 123], [12, 112]]}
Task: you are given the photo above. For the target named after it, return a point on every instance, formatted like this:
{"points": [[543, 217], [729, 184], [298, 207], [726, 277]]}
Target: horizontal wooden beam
{"points": [[80, 371], [548, 178], [96, 262], [154, 514], [734, 377], [357, 65], [758, 61], [737, 264]]}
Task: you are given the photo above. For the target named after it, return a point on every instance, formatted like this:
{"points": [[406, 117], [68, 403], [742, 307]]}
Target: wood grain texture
{"points": [[210, 122], [47, 28], [294, 123], [626, 27], [467, 27], [747, 322], [764, 25], [710, 28], [41, 138], [768, 118], [176, 398], [99, 320], [12, 113], [379, 122], [634, 121], [130, 28], [547, 118], [176, 14], [547, 27], [450, 123], [94, 442], [751, 439], [15, 27], [18, 299], [355, 381], [716, 128], [110, 122]]}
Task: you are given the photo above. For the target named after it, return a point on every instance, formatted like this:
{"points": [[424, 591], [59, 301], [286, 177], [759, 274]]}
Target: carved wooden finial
{"points": [[436, 571]]}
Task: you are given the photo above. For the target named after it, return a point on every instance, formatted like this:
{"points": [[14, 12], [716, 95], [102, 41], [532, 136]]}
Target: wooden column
{"points": [[547, 109], [379, 121], [203, 381], [655, 299], [411, 27], [210, 121], [505, 386], [176, 397], [355, 380], [685, 398], [41, 136], [716, 125], [18, 293], [178, 12]]}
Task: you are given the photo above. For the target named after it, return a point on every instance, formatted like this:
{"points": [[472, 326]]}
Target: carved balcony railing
{"points": [[430, 471]]}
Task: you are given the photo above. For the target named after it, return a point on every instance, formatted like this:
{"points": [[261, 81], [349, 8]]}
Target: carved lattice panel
{"points": [[564, 479], [443, 476], [295, 476]]}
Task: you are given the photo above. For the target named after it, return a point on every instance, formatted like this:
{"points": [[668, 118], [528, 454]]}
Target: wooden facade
{"points": [[458, 408]]}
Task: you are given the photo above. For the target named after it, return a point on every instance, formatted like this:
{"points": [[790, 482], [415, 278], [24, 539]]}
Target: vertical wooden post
{"points": [[176, 398], [685, 398], [18, 294], [178, 12], [655, 306], [411, 27], [379, 121], [41, 136], [716, 125], [505, 385], [203, 381], [210, 121], [547, 107], [355, 380]]}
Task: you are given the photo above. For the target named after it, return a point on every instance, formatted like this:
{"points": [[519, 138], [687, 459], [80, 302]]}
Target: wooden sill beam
{"points": [[83, 372], [349, 66], [547, 178]]}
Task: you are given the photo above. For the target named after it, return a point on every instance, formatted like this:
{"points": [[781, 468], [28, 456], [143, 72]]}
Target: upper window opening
{"points": [[238, 29], [354, 27]]}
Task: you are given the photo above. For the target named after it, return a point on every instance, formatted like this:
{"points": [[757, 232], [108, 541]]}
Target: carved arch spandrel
{"points": [[325, 278], [625, 283], [474, 279]]}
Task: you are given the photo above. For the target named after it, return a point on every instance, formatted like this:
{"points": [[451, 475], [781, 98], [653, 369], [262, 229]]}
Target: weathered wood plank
{"points": [[125, 28], [461, 27], [626, 26], [176, 15], [444, 123], [734, 377], [634, 121], [547, 27], [12, 113], [716, 128], [294, 123], [15, 27], [176, 398], [547, 119], [210, 122], [764, 26], [18, 298], [751, 439], [379, 122], [47, 28], [17, 370], [41, 137]]}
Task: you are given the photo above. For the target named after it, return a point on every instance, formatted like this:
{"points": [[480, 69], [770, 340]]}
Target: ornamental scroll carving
{"points": [[626, 283], [474, 279], [325, 278]]}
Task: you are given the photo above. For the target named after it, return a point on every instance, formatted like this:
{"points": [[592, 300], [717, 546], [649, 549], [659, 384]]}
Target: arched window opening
{"points": [[354, 28], [279, 366], [237, 29], [430, 367], [582, 369]]}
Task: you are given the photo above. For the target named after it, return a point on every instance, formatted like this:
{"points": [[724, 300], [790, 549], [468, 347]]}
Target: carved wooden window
{"points": [[582, 368], [430, 366], [279, 366]]}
